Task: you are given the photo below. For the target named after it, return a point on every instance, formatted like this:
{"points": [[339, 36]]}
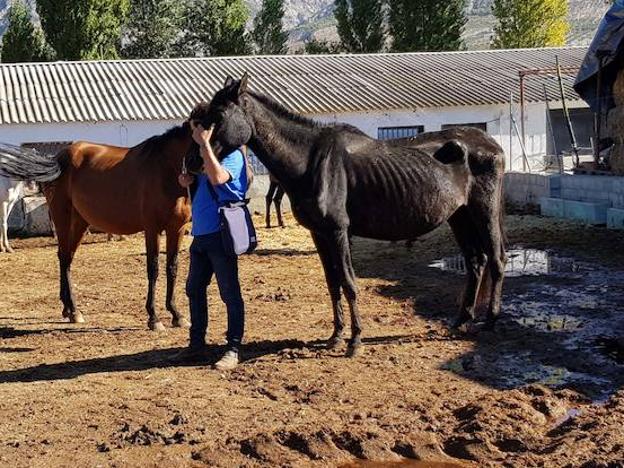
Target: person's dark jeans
{"points": [[207, 258]]}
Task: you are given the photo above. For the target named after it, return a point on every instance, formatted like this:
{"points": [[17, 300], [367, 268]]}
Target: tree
{"points": [[216, 27], [83, 29], [360, 25], [317, 47], [530, 23], [426, 25], [153, 29], [268, 33], [22, 41]]}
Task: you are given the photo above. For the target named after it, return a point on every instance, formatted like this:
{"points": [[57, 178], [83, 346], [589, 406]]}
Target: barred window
{"points": [[391, 133]]}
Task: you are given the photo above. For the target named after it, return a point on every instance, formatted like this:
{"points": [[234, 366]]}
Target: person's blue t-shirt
{"points": [[205, 210]]}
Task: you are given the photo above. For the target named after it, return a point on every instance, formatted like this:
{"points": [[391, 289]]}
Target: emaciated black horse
{"points": [[342, 182]]}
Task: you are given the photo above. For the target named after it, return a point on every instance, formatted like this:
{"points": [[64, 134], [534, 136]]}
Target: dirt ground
{"points": [[538, 392]]}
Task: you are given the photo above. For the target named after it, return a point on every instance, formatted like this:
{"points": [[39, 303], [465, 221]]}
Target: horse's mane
{"points": [[173, 133], [282, 111]]}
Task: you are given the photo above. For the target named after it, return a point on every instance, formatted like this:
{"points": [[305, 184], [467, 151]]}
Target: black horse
{"points": [[342, 182], [274, 195]]}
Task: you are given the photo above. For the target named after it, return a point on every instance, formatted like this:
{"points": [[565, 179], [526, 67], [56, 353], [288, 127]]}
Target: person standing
{"points": [[222, 180]]}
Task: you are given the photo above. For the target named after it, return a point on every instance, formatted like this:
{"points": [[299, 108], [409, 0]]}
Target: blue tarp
{"points": [[608, 42]]}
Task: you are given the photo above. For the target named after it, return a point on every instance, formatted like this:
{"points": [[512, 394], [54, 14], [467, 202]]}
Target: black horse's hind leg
{"points": [[269, 199], [488, 216], [332, 277], [152, 246], [469, 242], [278, 205], [174, 238], [340, 249]]}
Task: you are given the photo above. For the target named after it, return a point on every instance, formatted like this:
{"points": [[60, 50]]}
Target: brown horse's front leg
{"points": [[152, 245], [341, 256], [174, 239]]}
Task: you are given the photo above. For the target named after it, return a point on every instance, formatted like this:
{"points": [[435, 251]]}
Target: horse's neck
{"points": [[283, 145]]}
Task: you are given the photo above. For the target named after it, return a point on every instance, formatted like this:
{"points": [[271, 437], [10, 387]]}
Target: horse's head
{"points": [[226, 113]]}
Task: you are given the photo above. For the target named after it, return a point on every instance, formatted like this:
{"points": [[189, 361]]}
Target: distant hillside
{"points": [[306, 19]]}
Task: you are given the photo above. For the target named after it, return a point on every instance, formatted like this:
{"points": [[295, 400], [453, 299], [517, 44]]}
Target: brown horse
{"points": [[116, 190]]}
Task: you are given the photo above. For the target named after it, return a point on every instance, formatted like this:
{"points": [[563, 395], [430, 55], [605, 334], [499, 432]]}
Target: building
{"points": [[385, 95]]}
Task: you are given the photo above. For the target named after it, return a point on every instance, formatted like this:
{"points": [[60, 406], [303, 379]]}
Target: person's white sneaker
{"points": [[228, 361]]}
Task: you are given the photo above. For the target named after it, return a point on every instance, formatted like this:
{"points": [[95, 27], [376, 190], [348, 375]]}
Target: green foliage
{"points": [[22, 41], [360, 25], [83, 29], [426, 25], [216, 27], [316, 47], [153, 29], [268, 33], [530, 23]]}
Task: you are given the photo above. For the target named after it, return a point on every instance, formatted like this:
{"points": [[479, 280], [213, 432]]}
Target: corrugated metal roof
{"points": [[309, 84]]}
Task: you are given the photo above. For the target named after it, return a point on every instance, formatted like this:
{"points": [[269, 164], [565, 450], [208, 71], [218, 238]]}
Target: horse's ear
{"points": [[242, 84], [228, 82]]}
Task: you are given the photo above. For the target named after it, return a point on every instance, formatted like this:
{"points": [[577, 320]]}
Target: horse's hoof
{"points": [[488, 326], [66, 313], [459, 321], [354, 350], [180, 323], [334, 341], [156, 326], [76, 317]]}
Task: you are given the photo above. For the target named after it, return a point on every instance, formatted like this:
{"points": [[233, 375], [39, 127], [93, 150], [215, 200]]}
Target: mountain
{"points": [[307, 19]]}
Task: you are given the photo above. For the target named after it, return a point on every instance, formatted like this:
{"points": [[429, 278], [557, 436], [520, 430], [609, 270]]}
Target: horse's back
{"points": [[92, 155]]}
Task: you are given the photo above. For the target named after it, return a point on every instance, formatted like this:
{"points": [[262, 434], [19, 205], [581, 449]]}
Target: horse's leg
{"points": [[341, 256], [174, 239], [70, 234], [278, 205], [333, 285], [488, 215], [152, 247], [4, 235], [269, 199], [467, 237]]}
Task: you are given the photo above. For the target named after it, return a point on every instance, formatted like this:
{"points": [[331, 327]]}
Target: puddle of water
{"points": [[400, 464], [612, 348], [520, 262]]}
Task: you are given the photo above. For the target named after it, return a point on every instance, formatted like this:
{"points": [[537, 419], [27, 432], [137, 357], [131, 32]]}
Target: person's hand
{"points": [[185, 180], [201, 135]]}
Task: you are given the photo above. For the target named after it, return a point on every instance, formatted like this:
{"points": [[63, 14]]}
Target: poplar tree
{"points": [[268, 33], [23, 41], [360, 25]]}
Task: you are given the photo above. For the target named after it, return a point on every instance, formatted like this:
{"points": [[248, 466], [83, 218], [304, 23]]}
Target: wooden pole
{"points": [[566, 114], [552, 130]]}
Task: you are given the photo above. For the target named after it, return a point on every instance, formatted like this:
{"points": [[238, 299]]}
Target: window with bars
{"points": [[391, 133]]}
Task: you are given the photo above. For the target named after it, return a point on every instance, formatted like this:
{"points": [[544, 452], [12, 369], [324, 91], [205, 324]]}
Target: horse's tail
{"points": [[19, 163]]}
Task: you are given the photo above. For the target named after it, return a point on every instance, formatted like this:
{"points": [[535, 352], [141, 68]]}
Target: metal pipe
{"points": [[510, 131], [522, 110]]}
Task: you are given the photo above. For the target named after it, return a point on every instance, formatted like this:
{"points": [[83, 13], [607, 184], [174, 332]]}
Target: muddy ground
{"points": [[545, 390]]}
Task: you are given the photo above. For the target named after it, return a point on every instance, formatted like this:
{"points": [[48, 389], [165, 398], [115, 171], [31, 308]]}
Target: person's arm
{"points": [[215, 172]]}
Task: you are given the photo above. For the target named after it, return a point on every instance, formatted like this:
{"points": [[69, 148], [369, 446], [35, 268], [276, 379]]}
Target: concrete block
{"points": [[590, 213], [30, 217], [552, 207], [615, 218]]}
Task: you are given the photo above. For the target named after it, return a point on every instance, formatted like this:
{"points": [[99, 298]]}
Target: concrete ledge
{"points": [[552, 207], [615, 218], [587, 212]]}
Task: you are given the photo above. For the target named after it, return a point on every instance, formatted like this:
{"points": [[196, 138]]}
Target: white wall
{"points": [[496, 117], [128, 133]]}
